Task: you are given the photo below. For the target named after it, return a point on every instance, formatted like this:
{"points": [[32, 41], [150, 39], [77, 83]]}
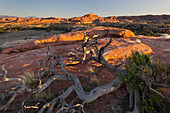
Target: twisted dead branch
{"points": [[49, 75]]}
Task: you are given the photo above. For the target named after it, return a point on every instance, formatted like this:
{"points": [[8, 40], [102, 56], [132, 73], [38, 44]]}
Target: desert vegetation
{"points": [[143, 78], [137, 27]]}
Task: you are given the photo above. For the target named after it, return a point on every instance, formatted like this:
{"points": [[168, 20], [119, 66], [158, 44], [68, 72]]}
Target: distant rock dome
{"points": [[91, 15]]}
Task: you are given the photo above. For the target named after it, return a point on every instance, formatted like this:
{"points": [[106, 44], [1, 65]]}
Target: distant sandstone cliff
{"points": [[88, 18]]}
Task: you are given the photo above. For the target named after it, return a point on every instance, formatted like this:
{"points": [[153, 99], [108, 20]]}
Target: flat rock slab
{"points": [[119, 49], [159, 46], [69, 38]]}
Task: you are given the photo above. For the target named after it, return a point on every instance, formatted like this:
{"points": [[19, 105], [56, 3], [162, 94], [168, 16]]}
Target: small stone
{"points": [[138, 41]]}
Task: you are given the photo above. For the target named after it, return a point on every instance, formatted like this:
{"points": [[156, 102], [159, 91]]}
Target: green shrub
{"points": [[154, 103], [133, 69], [141, 72]]}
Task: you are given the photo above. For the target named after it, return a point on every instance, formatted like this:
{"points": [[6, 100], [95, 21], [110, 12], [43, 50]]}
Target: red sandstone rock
{"points": [[88, 18], [79, 35], [71, 37], [116, 51], [122, 48], [112, 32], [18, 63], [7, 51]]}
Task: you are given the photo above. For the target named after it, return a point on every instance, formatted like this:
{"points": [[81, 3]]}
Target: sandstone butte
{"points": [[20, 58]]}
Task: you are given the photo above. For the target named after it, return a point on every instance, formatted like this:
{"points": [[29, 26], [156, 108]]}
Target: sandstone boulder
{"points": [[7, 51], [120, 49], [112, 32]]}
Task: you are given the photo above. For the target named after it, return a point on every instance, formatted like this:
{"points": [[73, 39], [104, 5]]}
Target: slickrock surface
{"points": [[69, 38], [116, 51], [159, 46], [22, 57]]}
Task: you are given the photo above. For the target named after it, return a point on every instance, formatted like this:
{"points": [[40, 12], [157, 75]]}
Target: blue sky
{"points": [[72, 8]]}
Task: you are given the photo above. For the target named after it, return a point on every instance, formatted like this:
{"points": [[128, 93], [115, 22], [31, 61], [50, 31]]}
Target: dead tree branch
{"points": [[51, 62]]}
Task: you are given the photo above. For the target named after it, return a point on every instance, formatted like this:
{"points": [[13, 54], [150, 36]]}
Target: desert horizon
{"points": [[30, 16]]}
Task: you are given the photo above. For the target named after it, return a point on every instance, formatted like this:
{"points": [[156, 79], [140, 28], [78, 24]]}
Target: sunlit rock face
{"points": [[22, 56], [118, 50], [88, 18], [79, 35], [121, 48], [71, 37]]}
